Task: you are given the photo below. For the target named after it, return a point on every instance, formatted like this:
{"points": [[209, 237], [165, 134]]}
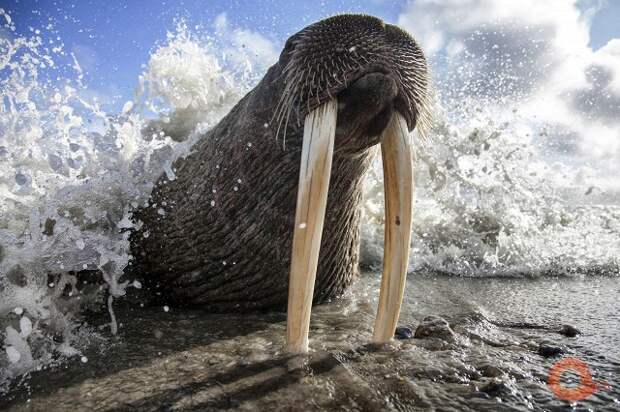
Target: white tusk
{"points": [[316, 163], [397, 156]]}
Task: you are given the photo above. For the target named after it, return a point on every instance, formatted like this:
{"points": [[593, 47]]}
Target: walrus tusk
{"points": [[316, 162], [316, 158], [396, 153]]}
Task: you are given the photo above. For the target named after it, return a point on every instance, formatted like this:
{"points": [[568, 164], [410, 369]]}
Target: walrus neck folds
{"points": [[245, 216]]}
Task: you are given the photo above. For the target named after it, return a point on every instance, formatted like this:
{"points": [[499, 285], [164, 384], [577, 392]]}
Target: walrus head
{"points": [[243, 220], [349, 56]]}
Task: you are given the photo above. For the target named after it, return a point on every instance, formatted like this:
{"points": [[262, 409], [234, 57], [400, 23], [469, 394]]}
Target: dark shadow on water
{"points": [[287, 375], [145, 334]]}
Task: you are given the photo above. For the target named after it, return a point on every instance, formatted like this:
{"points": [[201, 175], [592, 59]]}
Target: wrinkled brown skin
{"points": [[235, 255]]}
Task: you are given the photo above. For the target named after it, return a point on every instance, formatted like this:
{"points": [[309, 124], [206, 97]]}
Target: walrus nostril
{"points": [[375, 89], [364, 111], [366, 98]]}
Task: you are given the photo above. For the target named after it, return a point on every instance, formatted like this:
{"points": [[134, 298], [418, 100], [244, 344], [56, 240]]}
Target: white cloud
{"points": [[245, 45], [533, 54]]}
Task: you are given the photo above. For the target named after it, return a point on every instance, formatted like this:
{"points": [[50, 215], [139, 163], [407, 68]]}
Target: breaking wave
{"points": [[489, 201]]}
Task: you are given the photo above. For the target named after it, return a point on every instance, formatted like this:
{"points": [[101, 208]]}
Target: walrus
{"points": [[266, 207]]}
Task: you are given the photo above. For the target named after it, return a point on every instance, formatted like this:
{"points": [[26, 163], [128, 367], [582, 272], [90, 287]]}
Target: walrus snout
{"points": [[364, 111], [327, 58]]}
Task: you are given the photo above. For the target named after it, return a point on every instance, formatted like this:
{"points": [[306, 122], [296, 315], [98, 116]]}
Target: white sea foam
{"points": [[70, 174], [488, 201]]}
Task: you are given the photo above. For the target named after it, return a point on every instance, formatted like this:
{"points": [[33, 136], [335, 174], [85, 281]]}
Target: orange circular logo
{"points": [[586, 387]]}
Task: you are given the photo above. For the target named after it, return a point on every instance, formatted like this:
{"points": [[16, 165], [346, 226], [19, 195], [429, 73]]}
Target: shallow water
{"points": [[486, 360]]}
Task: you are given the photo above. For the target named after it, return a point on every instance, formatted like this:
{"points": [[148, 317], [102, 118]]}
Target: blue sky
{"points": [[112, 39]]}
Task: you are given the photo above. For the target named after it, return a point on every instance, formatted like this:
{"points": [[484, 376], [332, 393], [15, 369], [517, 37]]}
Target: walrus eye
{"points": [[316, 159]]}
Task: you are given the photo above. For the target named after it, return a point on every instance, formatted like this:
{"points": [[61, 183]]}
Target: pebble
{"points": [[569, 331], [403, 332], [495, 387], [548, 351], [435, 327]]}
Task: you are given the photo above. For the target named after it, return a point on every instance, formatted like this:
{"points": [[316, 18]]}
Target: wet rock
{"points": [[403, 332], [569, 331], [490, 371], [435, 327], [17, 276], [48, 227], [495, 387], [548, 351]]}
